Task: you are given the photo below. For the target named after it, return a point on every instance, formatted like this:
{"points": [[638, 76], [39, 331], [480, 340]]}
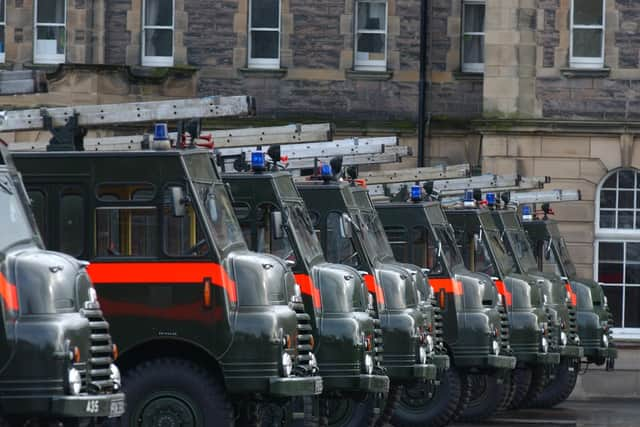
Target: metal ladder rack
{"points": [[69, 124]]}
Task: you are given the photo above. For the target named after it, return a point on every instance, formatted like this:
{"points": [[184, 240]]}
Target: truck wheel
{"points": [[418, 408], [488, 392], [560, 387], [522, 377], [173, 392], [342, 411]]}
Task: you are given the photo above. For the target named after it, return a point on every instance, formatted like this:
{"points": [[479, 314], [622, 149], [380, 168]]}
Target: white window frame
{"points": [[58, 58], [616, 235], [371, 65], [471, 67], [158, 61], [264, 63], [3, 26], [581, 61]]}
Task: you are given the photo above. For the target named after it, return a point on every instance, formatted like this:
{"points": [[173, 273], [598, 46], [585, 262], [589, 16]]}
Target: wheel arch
{"points": [[170, 348]]}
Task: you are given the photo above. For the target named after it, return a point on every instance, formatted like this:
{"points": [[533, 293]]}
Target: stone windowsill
{"points": [[577, 73], [264, 73], [465, 75], [369, 75]]}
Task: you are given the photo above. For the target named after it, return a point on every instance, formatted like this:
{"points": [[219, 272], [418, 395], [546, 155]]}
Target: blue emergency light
{"points": [[160, 132], [526, 213], [491, 199], [326, 171], [416, 193], [258, 162], [469, 201]]}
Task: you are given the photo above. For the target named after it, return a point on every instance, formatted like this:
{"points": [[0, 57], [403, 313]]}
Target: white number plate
{"points": [[93, 407], [117, 408]]}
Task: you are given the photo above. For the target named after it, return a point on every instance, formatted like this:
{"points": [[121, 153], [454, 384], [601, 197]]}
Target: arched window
{"points": [[617, 246]]}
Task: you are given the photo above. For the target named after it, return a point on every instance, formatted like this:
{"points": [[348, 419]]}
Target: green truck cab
{"points": [[348, 339], [530, 317], [476, 326], [351, 234], [209, 331], [56, 351], [562, 301], [594, 316]]}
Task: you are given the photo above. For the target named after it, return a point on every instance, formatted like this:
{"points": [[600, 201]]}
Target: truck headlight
{"points": [[368, 364], [93, 295], [430, 345], [495, 347], [545, 345], [605, 340], [75, 381], [287, 364], [422, 355], [563, 339], [313, 362], [115, 376]]}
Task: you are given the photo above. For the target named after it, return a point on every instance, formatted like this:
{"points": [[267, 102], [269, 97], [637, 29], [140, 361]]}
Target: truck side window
{"points": [[38, 206], [142, 192], [399, 242], [182, 236], [72, 230], [424, 250], [126, 232], [339, 250]]}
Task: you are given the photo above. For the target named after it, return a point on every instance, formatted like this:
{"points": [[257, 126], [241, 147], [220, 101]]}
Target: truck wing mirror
{"points": [[212, 208], [345, 227], [276, 225], [547, 251], [178, 202]]}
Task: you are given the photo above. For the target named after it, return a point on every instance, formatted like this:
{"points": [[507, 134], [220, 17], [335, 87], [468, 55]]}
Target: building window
{"points": [[157, 33], [50, 35], [473, 36], [264, 34], [617, 247], [371, 35], [587, 33]]}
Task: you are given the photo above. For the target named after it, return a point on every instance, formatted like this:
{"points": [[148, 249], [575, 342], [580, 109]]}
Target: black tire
{"points": [[175, 390], [416, 409], [560, 387], [488, 393], [508, 398], [342, 411], [522, 378]]}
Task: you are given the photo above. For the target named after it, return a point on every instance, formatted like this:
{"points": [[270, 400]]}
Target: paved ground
{"points": [[595, 413]]}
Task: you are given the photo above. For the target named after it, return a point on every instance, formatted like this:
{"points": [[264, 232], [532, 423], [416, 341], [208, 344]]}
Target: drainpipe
{"points": [[422, 83]]}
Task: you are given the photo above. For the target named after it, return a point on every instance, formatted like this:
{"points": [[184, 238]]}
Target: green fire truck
{"points": [[210, 333], [420, 234], [349, 346], [56, 350]]}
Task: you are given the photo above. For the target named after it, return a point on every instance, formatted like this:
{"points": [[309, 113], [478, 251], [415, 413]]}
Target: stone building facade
{"points": [[535, 87]]}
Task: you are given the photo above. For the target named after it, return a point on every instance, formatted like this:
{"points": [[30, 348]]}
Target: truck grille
{"points": [[573, 322], [378, 347], [438, 327], [553, 339], [98, 372], [505, 347], [304, 339]]}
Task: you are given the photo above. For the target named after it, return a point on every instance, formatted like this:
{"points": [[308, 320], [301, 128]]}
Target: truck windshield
{"points": [[522, 250], [562, 250], [303, 233], [219, 215], [375, 238], [450, 251], [15, 227], [503, 259]]}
